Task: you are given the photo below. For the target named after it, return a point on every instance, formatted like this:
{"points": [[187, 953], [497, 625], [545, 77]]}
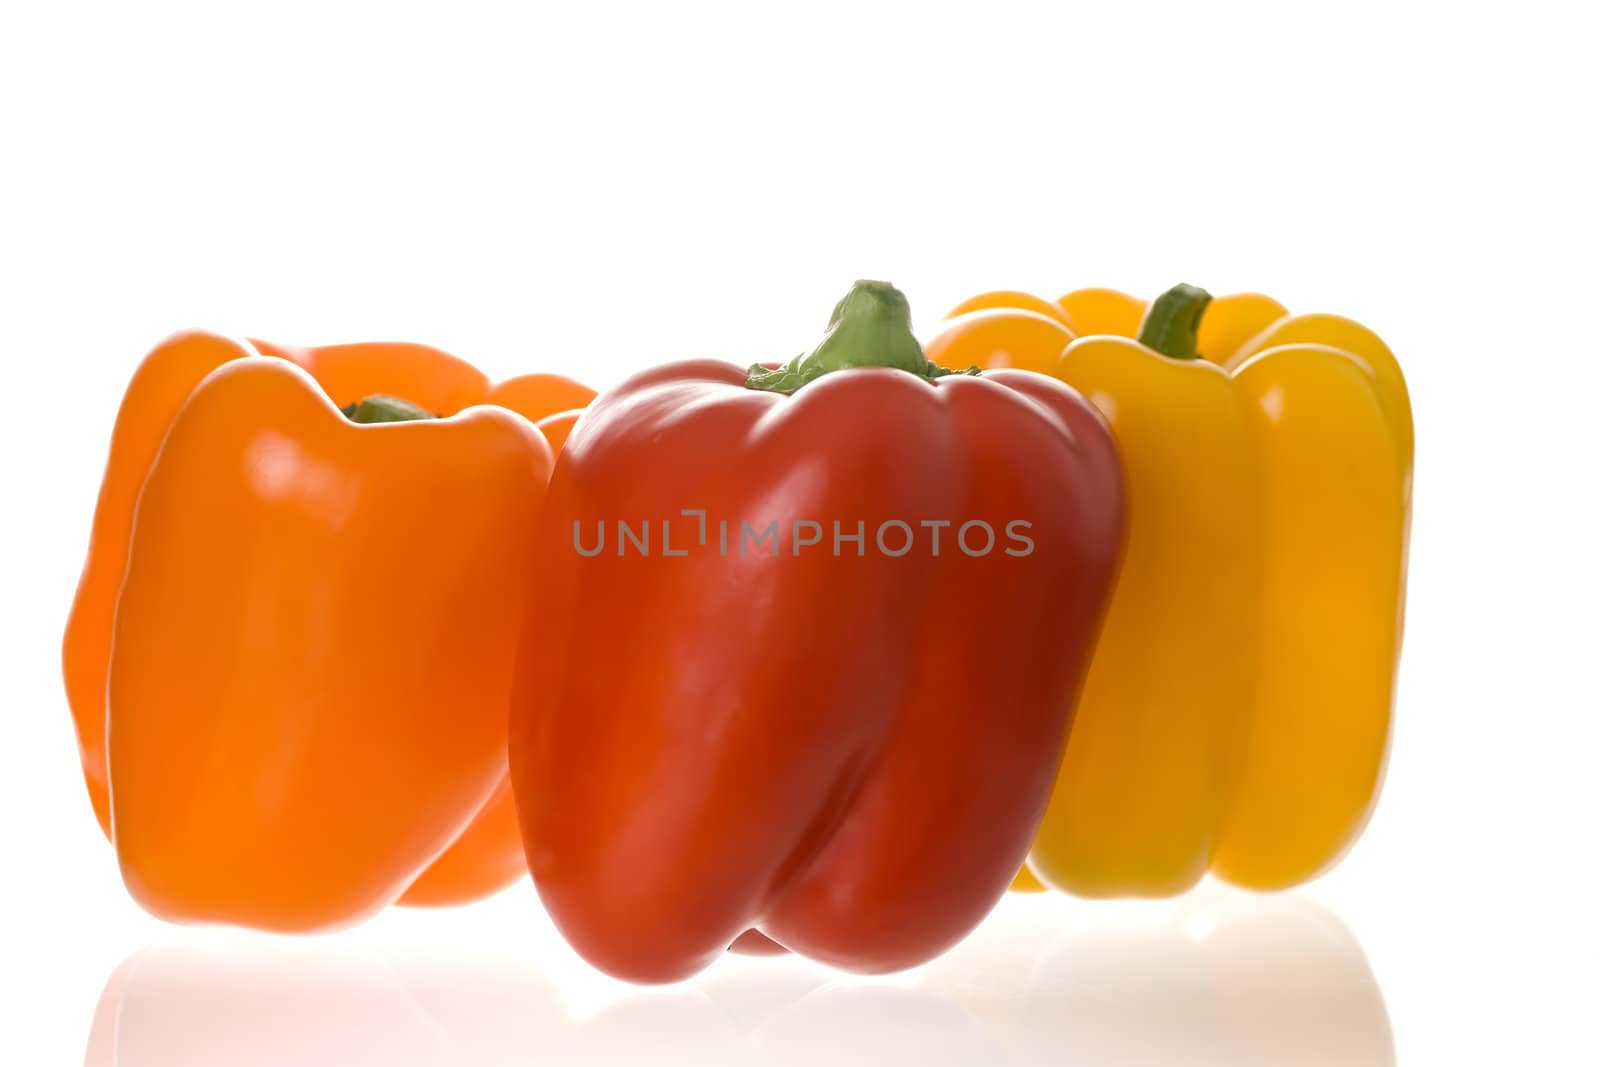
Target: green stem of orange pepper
{"points": [[381, 408]]}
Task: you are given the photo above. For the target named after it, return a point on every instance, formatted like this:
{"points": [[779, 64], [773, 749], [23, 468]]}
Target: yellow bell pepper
{"points": [[1236, 716]]}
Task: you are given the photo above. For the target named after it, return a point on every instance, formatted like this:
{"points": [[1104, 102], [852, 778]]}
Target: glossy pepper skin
{"points": [[1236, 716], [847, 753], [283, 613]]}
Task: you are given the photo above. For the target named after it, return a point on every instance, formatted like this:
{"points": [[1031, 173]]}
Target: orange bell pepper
{"points": [[830, 709], [306, 709], [1236, 716]]}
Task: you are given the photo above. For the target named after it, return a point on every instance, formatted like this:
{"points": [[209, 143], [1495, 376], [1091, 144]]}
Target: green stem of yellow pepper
{"points": [[1172, 324]]}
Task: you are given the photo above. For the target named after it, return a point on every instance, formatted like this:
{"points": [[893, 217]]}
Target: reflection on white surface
{"points": [[1219, 978]]}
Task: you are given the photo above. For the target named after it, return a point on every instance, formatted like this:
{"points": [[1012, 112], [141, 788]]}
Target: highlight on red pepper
{"points": [[805, 649], [290, 664]]}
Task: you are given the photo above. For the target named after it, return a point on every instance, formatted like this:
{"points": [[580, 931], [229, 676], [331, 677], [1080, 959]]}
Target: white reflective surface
{"points": [[1219, 978]]}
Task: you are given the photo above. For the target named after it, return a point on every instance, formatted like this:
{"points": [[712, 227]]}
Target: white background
{"points": [[591, 189]]}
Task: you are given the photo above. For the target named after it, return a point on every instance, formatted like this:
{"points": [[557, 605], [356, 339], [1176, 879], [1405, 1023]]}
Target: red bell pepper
{"points": [[805, 663]]}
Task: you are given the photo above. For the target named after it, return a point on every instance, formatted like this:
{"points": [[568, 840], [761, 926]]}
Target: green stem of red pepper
{"points": [[870, 327], [1172, 324]]}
